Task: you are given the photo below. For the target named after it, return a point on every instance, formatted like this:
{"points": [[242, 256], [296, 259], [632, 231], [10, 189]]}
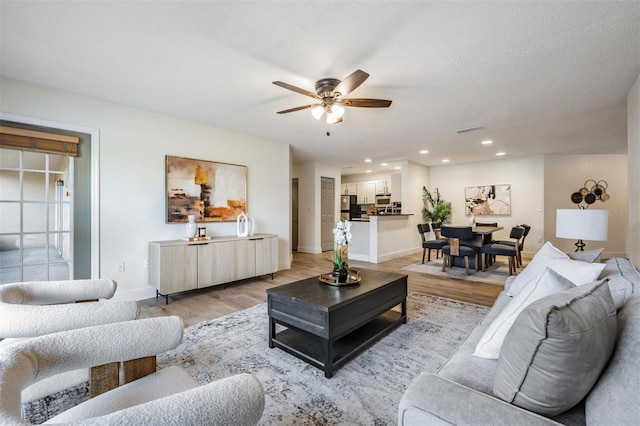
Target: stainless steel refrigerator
{"points": [[349, 209]]}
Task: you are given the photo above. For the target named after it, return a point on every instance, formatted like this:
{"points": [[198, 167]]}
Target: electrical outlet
{"points": [[146, 264], [120, 267], [540, 239]]}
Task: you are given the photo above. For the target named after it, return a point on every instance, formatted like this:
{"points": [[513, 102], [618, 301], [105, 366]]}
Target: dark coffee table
{"points": [[326, 326]]}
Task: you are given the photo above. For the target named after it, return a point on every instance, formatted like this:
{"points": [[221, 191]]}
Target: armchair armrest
{"points": [[235, 400], [34, 308], [433, 400], [54, 292]]}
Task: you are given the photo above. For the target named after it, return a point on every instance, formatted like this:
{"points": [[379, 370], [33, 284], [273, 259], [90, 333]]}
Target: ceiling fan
{"points": [[330, 92]]}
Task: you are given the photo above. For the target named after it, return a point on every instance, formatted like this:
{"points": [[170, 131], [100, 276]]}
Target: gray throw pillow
{"points": [[556, 349], [590, 256]]}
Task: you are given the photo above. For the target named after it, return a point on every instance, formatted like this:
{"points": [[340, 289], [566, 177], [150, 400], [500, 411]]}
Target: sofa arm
{"points": [[235, 400], [433, 400]]}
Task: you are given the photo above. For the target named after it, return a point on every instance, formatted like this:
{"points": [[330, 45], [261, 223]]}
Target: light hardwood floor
{"points": [[213, 302]]}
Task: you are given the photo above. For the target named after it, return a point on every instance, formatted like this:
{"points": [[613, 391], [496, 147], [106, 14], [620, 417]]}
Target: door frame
{"points": [[95, 176]]}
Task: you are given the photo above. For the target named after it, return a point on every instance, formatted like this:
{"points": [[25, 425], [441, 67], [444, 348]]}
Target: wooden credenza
{"points": [[178, 265]]}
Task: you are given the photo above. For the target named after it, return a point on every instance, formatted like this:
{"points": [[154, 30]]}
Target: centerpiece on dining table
{"points": [[341, 274]]}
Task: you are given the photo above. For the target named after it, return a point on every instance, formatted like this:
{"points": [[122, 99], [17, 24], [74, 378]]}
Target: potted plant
{"points": [[341, 238], [436, 209]]}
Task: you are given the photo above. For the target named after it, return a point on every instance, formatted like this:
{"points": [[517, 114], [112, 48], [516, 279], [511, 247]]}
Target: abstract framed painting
{"points": [[209, 190], [488, 199]]}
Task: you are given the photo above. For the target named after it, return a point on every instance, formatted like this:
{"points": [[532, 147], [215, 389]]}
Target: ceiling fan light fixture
{"points": [[317, 112]]}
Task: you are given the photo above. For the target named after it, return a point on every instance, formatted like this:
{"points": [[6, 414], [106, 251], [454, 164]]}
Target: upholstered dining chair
{"points": [[429, 245], [167, 396], [511, 251], [36, 308], [455, 246], [527, 228]]}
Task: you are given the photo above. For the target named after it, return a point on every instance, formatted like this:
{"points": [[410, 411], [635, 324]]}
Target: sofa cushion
{"points": [[556, 349], [549, 282], [591, 256], [535, 267], [618, 385], [576, 271], [624, 279]]}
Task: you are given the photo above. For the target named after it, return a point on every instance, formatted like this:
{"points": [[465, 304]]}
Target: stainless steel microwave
{"points": [[383, 200]]}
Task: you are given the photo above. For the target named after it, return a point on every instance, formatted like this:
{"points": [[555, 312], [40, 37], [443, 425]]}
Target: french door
{"points": [[36, 210]]}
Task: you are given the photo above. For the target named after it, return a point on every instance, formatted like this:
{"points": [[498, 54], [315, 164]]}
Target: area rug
{"points": [[494, 274], [365, 391]]}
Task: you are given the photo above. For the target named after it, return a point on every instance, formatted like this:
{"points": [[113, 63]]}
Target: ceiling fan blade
{"points": [[295, 89], [365, 103], [296, 108], [350, 83]]}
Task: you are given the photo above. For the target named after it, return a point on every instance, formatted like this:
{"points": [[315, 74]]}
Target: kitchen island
{"points": [[383, 237]]}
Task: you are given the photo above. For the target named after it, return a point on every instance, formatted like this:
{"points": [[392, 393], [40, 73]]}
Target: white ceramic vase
{"points": [[192, 228]]}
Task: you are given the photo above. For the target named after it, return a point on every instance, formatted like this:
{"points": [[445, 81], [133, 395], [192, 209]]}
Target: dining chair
{"points": [[436, 244], [527, 228], [511, 251], [455, 247]]}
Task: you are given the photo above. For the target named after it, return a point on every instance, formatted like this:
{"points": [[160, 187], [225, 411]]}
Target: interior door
{"points": [[327, 208]]}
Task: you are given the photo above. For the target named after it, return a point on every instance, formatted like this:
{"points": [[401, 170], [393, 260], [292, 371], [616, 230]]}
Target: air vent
{"points": [[472, 129]]}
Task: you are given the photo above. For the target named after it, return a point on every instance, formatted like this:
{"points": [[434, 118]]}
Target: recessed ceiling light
{"points": [[500, 154], [487, 142], [397, 167], [368, 171], [445, 160], [424, 151], [367, 160], [384, 164]]}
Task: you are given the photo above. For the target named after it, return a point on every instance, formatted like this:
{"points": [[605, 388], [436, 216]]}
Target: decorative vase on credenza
{"points": [[192, 227]]}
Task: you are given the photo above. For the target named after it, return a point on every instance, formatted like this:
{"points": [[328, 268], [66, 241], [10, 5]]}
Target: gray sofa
{"points": [[461, 392]]}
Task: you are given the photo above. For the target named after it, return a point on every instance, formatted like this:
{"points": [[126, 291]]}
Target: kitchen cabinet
{"points": [[349, 189], [179, 265], [366, 192], [383, 187]]}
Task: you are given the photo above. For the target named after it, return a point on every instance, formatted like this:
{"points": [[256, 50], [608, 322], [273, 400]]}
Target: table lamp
{"points": [[582, 224]]}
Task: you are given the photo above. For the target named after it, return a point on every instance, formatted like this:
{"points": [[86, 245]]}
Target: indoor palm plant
{"points": [[436, 209]]}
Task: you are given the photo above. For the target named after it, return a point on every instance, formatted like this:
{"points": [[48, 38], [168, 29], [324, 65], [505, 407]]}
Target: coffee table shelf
{"points": [[327, 326], [310, 348]]}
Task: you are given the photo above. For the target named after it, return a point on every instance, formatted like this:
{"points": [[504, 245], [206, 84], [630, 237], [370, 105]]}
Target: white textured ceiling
{"points": [[540, 77]]}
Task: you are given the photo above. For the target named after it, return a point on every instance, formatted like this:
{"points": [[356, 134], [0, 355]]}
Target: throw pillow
{"points": [[591, 256], [577, 272], [549, 282], [536, 266], [556, 349]]}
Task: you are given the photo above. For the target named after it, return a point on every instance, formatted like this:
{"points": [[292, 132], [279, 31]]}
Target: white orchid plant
{"points": [[341, 238]]}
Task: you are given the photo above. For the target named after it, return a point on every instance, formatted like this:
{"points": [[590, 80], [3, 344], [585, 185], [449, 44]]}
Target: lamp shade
{"points": [[582, 224]]}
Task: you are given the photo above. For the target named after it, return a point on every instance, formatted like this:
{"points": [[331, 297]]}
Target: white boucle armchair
{"points": [[36, 308], [169, 396]]}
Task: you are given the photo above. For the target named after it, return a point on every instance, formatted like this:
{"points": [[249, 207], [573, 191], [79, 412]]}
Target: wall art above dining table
{"points": [[488, 199]]}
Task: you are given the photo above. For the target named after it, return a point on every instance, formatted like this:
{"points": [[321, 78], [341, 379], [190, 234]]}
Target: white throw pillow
{"points": [[576, 271], [536, 266], [547, 283]]}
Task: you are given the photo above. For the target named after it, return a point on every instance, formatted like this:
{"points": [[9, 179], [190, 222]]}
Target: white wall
{"points": [[633, 172], [526, 176], [566, 174], [133, 147]]}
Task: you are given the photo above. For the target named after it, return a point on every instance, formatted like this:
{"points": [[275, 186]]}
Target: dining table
{"points": [[481, 235]]}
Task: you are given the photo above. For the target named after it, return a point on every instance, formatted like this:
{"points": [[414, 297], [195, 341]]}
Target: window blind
{"points": [[31, 140]]}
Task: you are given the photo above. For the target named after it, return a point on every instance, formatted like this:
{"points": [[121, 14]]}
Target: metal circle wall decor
{"points": [[589, 193]]}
